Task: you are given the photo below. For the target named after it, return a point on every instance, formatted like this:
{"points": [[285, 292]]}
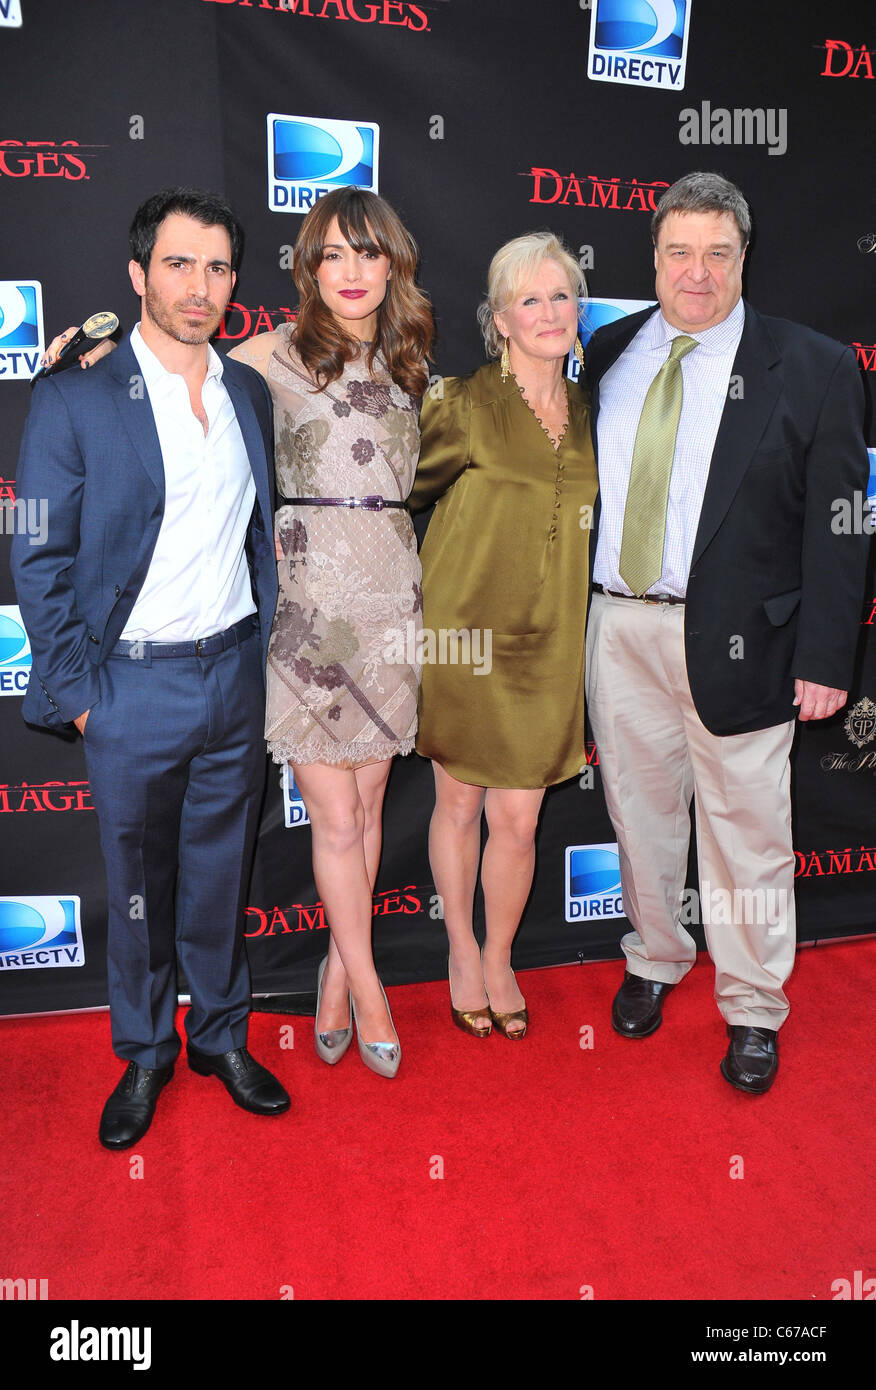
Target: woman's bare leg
{"points": [[506, 874], [343, 806]]}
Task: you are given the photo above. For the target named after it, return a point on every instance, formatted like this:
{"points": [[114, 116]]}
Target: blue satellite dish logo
{"points": [[294, 809], [593, 313], [10, 13], [21, 329], [593, 882], [40, 933], [307, 158], [15, 657], [639, 42], [871, 488]]}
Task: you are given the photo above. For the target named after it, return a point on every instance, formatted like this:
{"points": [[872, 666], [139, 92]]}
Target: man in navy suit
{"points": [[725, 604], [148, 611]]}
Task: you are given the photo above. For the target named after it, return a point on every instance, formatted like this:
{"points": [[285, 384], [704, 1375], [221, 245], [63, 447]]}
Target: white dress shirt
{"points": [[198, 580], [706, 380]]}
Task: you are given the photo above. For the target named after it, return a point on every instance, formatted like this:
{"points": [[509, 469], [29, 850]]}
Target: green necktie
{"points": [[641, 557]]}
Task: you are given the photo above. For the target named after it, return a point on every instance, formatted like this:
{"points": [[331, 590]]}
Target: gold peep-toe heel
{"points": [[465, 1018], [502, 1020]]}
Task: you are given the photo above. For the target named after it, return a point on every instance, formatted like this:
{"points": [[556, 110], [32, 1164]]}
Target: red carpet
{"points": [[564, 1169]]}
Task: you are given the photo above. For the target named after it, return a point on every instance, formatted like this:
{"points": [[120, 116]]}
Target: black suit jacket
{"points": [[91, 450], [770, 564]]}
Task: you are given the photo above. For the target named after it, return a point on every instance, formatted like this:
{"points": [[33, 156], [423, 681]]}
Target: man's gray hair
{"points": [[704, 192]]}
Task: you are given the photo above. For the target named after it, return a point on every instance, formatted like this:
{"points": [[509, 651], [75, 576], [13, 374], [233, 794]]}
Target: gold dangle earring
{"points": [[579, 351], [506, 361]]}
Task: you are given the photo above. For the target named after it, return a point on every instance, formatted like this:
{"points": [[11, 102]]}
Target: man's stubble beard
{"points": [[190, 334]]}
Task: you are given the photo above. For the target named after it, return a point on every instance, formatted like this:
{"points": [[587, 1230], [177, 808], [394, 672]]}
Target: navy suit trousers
{"points": [[176, 760]]}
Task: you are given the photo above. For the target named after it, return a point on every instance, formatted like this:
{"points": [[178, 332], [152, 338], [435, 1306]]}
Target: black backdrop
{"points": [[488, 126]]}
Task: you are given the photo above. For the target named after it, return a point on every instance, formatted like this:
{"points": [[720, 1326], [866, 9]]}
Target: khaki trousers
{"points": [[654, 755]]}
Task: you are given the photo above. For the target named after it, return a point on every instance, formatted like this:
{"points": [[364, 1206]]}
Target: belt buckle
{"points": [[199, 646], [372, 503]]}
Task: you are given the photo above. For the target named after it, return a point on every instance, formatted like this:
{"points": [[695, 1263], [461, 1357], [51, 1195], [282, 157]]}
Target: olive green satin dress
{"points": [[505, 559]]}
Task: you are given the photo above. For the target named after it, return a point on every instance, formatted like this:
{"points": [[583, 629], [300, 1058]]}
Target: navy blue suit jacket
{"points": [[768, 565], [90, 449]]}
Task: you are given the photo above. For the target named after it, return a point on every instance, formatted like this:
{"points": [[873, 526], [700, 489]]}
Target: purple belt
{"points": [[370, 504]]}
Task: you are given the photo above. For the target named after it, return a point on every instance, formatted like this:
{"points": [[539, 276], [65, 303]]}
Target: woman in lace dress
{"points": [[346, 380]]}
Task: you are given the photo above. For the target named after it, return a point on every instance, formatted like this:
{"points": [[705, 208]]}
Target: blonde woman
{"points": [[507, 454]]}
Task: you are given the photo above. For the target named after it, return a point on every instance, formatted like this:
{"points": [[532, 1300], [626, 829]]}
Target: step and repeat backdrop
{"points": [[477, 120]]}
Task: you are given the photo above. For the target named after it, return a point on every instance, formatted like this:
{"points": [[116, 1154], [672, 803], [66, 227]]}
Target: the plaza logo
{"points": [[639, 45], [860, 729], [860, 723], [308, 157]]}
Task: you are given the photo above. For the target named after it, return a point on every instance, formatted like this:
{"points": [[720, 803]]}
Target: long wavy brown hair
{"points": [[405, 326]]}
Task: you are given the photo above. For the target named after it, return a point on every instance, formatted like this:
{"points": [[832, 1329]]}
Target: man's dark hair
{"points": [[207, 208], [704, 192]]}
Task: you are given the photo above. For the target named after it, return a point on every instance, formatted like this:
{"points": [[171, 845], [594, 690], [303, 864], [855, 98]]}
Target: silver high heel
{"points": [[332, 1045], [382, 1057]]}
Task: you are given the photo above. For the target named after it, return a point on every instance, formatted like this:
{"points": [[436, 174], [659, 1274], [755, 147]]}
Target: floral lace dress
{"points": [[342, 676]]}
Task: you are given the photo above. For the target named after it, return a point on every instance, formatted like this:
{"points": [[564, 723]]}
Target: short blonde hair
{"points": [[512, 266]]}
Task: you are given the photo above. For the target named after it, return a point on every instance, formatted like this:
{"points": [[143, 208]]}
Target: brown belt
{"points": [[635, 598]]}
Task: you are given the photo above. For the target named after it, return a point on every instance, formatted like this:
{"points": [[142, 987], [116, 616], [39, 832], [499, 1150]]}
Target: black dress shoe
{"points": [[752, 1058], [128, 1113], [249, 1084], [638, 1005]]}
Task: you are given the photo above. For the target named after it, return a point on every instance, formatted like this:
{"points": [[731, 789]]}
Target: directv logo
{"points": [[21, 328], [593, 314], [40, 933], [10, 14], [293, 806], [15, 657], [307, 158], [639, 44], [593, 886]]}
